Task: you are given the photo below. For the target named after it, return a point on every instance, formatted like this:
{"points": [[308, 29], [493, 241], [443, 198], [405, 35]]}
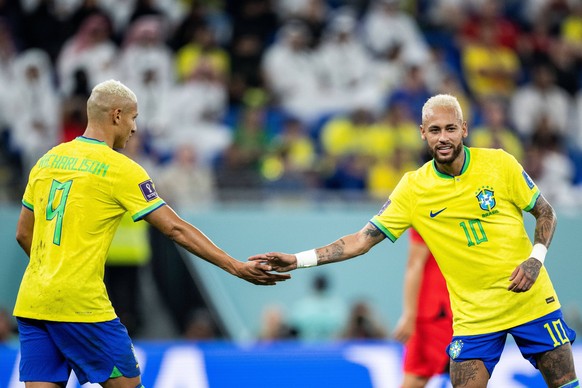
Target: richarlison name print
{"points": [[73, 164]]}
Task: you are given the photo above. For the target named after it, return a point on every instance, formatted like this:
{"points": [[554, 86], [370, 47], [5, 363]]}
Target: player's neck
{"points": [[98, 133]]}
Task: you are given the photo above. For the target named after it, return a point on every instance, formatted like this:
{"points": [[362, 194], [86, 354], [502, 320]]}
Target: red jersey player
{"points": [[425, 326]]}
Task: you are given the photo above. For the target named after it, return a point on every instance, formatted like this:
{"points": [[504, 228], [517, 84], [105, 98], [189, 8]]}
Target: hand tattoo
{"points": [[532, 268]]}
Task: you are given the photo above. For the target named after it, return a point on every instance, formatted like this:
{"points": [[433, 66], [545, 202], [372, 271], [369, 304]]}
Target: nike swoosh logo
{"points": [[434, 214]]}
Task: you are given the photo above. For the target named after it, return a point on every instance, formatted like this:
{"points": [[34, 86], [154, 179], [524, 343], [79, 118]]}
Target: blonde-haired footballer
{"points": [[467, 205], [75, 198]]}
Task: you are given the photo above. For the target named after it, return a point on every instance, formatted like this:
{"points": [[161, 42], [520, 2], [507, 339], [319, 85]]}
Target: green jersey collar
{"points": [[463, 169], [89, 140]]}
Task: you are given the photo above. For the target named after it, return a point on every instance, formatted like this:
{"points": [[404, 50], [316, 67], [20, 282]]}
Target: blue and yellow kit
{"points": [[473, 225], [78, 192]]}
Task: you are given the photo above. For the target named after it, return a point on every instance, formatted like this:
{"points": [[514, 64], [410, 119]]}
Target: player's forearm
{"points": [[417, 257], [342, 249], [332, 253], [410, 294], [192, 239], [349, 246], [546, 221], [196, 242]]}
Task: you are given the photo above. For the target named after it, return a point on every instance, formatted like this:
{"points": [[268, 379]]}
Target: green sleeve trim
{"points": [[533, 201], [138, 216], [28, 205], [382, 229]]}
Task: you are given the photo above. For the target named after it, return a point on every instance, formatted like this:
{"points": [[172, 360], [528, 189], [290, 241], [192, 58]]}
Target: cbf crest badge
{"points": [[455, 348], [486, 198]]}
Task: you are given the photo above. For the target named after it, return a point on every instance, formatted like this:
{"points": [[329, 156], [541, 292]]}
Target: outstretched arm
{"points": [[525, 275], [192, 239], [345, 248]]}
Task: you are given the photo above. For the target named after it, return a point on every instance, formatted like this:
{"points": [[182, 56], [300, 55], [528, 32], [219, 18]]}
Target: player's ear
{"points": [[422, 133], [116, 116]]}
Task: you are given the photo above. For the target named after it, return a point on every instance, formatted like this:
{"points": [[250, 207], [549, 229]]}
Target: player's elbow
{"points": [[360, 244], [19, 238], [23, 234], [360, 249], [24, 239], [174, 232], [167, 222]]}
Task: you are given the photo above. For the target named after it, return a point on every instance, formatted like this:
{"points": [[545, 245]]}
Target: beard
{"points": [[448, 159]]}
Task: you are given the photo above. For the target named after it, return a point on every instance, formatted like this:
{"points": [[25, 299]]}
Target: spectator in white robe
{"points": [[7, 56], [34, 113], [554, 169], [90, 49], [195, 110], [540, 97], [144, 48], [155, 99], [385, 26], [290, 73], [146, 65], [185, 182], [344, 64], [289, 9]]}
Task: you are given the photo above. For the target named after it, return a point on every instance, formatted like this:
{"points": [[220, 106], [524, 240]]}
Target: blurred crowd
{"points": [[284, 96], [321, 315]]}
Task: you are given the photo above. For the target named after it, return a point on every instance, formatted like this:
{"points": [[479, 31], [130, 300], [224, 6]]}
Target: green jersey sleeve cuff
{"points": [[138, 216], [382, 229], [533, 201], [28, 205]]}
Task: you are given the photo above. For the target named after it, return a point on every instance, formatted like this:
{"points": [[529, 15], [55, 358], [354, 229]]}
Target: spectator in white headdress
{"points": [[35, 110], [90, 49], [344, 64]]}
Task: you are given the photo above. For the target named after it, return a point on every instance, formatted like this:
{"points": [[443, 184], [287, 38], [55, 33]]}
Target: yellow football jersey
{"points": [[78, 192], [473, 225]]}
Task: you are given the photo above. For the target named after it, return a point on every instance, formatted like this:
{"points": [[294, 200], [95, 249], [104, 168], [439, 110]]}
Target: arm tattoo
{"points": [[373, 235], [336, 251], [545, 221], [373, 232], [331, 253]]}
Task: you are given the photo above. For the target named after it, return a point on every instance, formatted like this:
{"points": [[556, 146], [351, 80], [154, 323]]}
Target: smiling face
{"points": [[444, 129]]}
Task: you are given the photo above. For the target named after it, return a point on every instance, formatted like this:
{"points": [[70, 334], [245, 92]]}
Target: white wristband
{"points": [[306, 259], [539, 252]]}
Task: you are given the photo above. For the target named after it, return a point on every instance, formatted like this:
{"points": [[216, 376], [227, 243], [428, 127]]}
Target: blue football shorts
{"points": [[534, 337], [94, 351]]}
